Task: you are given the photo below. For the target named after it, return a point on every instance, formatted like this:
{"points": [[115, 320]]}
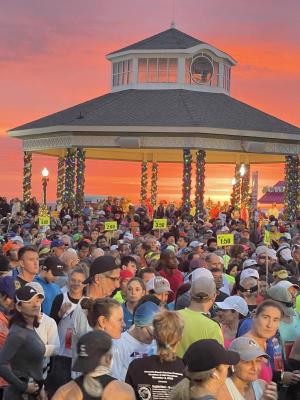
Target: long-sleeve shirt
{"points": [[22, 357]]}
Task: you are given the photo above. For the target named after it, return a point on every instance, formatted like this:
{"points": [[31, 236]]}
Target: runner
{"points": [[154, 376]]}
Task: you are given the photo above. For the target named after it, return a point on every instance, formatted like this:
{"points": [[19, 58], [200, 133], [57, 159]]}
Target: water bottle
{"points": [[278, 361]]}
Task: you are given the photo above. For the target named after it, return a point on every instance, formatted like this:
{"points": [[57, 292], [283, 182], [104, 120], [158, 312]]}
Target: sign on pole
{"points": [[226, 239], [110, 225], [44, 221], [160, 223]]}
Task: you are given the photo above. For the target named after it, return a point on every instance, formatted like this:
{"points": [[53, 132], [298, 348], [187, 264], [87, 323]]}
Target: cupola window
{"points": [[122, 72], [153, 70]]}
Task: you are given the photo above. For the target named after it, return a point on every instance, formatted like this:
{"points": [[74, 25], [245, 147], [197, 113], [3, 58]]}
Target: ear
{"points": [[102, 322], [18, 307]]}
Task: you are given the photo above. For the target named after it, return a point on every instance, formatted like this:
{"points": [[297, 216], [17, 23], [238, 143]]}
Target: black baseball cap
{"points": [[207, 354], [90, 348], [100, 265], [54, 265], [26, 293]]}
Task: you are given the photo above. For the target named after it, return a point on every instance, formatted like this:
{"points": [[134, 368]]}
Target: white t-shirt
{"points": [[48, 333], [126, 349]]}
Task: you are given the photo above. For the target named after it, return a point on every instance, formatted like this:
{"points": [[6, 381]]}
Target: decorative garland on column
{"points": [[27, 173], [144, 180], [154, 177], [80, 179], [187, 180], [291, 199], [245, 188], [70, 177], [60, 181], [200, 176], [236, 188]]}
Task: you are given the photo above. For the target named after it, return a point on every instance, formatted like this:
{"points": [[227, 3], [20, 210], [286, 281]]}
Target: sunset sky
{"points": [[52, 56]]}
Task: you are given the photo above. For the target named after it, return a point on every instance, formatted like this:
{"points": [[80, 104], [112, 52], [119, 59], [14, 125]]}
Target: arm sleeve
{"points": [[56, 306], [13, 343], [53, 343]]}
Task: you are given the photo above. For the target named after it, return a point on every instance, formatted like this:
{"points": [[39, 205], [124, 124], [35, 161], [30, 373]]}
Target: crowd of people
{"points": [[143, 313]]}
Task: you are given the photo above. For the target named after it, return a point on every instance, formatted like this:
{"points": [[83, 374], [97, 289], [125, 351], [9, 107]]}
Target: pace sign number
{"points": [[226, 239], [160, 223], [110, 226], [44, 221]]}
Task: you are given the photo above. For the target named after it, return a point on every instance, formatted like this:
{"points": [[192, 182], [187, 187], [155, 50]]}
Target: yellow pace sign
{"points": [[226, 239], [160, 223], [44, 221], [110, 226], [267, 237]]}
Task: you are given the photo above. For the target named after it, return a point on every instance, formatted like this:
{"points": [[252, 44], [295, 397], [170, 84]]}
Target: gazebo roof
{"points": [[275, 196], [164, 108], [170, 39]]}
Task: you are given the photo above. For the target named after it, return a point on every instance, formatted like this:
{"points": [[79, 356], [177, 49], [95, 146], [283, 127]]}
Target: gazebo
{"points": [[169, 102]]}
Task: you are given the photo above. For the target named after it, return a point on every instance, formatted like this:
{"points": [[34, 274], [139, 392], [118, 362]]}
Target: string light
{"points": [[200, 181], [187, 180], [27, 173], [292, 181]]}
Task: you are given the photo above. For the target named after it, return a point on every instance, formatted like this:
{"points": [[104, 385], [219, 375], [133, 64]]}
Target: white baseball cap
{"points": [[248, 273], [194, 244], [287, 284], [236, 303], [201, 273], [249, 263], [159, 285]]}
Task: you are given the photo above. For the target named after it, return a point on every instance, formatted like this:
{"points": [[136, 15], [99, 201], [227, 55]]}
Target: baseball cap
{"points": [[43, 251], [144, 314], [201, 273], [247, 348], [194, 244], [114, 247], [261, 249], [159, 285], [26, 293], [100, 265], [17, 238], [57, 243], [203, 288], [285, 252], [287, 284], [249, 263], [207, 354], [272, 254], [90, 348], [248, 273], [282, 295], [37, 287], [236, 303], [54, 265], [7, 286], [281, 274], [9, 246], [125, 274]]}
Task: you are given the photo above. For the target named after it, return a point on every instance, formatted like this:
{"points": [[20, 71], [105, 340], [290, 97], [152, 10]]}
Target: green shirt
{"points": [[118, 296], [197, 326]]}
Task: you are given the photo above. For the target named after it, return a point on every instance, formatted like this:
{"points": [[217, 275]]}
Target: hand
{"points": [[270, 392], [42, 395], [32, 388], [290, 378], [64, 308]]}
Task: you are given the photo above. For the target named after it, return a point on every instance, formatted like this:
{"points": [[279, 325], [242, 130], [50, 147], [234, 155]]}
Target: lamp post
{"points": [[45, 180]]}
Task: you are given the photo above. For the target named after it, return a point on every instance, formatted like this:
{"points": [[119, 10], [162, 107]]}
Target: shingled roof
{"points": [[165, 108], [170, 39]]}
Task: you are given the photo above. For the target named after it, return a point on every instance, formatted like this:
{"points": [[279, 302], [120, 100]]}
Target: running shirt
{"points": [[152, 379]]}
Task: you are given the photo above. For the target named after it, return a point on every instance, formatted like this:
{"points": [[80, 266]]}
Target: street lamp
{"points": [[233, 181], [45, 180]]}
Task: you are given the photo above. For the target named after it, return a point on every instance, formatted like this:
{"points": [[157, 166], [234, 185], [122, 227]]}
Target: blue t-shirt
{"points": [[51, 290], [128, 317]]}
